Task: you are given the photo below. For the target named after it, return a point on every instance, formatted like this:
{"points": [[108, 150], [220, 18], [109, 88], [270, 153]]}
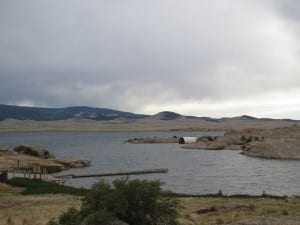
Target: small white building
{"points": [[187, 140]]}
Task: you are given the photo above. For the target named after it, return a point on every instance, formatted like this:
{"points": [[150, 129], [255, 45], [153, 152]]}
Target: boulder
{"points": [[5, 151]]}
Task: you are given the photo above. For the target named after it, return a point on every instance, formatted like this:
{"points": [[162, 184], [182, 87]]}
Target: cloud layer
{"points": [[206, 58]]}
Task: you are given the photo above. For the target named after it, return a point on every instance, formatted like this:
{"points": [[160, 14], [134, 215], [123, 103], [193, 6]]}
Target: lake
{"points": [[190, 171]]}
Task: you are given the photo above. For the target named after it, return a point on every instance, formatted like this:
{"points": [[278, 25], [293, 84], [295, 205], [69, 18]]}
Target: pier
{"points": [[133, 172]]}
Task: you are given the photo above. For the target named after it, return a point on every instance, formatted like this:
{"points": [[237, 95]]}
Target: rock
{"points": [[3, 148], [206, 210], [36, 151], [73, 163], [5, 151], [279, 148], [277, 143], [153, 140], [223, 208]]}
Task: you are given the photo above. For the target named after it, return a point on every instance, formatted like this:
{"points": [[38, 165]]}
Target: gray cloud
{"points": [[289, 8], [150, 55]]}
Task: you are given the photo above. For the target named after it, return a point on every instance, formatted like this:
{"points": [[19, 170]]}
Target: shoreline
{"points": [[278, 143], [24, 157]]}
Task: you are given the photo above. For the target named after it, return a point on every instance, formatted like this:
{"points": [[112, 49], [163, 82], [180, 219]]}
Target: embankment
{"points": [[24, 156], [277, 143]]}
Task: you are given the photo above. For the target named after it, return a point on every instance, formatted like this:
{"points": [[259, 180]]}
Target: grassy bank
{"points": [[43, 187], [34, 202], [16, 209], [37, 209], [239, 210]]}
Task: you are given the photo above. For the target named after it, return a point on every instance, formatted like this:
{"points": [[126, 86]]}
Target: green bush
{"points": [[134, 202], [70, 217]]}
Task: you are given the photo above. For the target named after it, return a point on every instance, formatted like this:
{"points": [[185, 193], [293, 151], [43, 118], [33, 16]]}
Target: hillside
{"points": [[16, 118], [51, 114]]}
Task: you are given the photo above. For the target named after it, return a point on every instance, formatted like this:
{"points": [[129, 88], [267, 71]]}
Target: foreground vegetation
{"points": [[126, 201], [123, 201], [239, 211]]}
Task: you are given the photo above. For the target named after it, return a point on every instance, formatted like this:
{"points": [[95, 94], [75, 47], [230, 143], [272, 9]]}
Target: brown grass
{"points": [[35, 209], [230, 210], [182, 123], [5, 188], [25, 161], [38, 209]]}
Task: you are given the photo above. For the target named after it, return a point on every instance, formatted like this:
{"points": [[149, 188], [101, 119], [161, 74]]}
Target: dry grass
{"points": [[25, 161], [230, 210], [279, 143], [182, 123], [5, 188], [38, 209], [34, 209]]}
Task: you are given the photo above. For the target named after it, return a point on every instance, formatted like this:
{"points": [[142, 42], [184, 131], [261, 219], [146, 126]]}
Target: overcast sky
{"points": [[206, 58]]}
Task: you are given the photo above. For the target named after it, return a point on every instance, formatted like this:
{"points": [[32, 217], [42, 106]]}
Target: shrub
{"points": [[220, 193], [220, 221], [100, 218], [70, 217], [52, 222], [135, 202], [243, 138]]}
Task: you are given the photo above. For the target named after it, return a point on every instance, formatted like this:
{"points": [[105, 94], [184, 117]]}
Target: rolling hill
{"points": [[51, 114], [81, 118]]}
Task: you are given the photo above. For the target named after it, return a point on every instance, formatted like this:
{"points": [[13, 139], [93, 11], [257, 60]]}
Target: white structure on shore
{"points": [[187, 140]]}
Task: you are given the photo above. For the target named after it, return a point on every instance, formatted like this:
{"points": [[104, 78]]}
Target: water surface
{"points": [[190, 171]]}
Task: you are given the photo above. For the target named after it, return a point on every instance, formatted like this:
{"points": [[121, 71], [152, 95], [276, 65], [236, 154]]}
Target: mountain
{"points": [[51, 114], [166, 115], [101, 119], [102, 114]]}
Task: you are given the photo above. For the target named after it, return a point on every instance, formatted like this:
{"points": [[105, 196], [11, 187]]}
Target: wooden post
{"points": [[46, 174], [36, 168]]}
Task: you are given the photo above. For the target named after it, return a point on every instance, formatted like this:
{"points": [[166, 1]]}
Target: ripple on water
{"points": [[190, 171]]}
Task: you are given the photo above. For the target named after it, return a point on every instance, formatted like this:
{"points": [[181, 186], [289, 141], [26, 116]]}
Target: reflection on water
{"points": [[190, 171]]}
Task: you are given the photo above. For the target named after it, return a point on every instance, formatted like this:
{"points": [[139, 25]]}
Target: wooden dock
{"points": [[133, 172], [32, 176]]}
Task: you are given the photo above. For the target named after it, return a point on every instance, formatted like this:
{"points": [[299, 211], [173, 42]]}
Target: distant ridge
{"points": [[51, 114], [102, 114], [166, 115]]}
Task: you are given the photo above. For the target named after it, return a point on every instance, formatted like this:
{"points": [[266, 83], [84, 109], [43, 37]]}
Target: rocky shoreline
{"points": [[24, 156], [277, 143], [153, 140]]}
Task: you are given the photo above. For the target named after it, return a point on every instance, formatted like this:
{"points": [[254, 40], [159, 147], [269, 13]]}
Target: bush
{"points": [[135, 202], [70, 217]]}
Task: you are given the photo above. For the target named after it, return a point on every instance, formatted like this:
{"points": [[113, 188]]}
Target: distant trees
{"points": [[134, 202]]}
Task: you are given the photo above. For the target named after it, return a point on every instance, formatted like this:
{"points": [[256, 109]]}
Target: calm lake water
{"points": [[190, 171]]}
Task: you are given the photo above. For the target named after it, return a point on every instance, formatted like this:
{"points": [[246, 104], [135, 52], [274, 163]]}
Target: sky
{"points": [[205, 58]]}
